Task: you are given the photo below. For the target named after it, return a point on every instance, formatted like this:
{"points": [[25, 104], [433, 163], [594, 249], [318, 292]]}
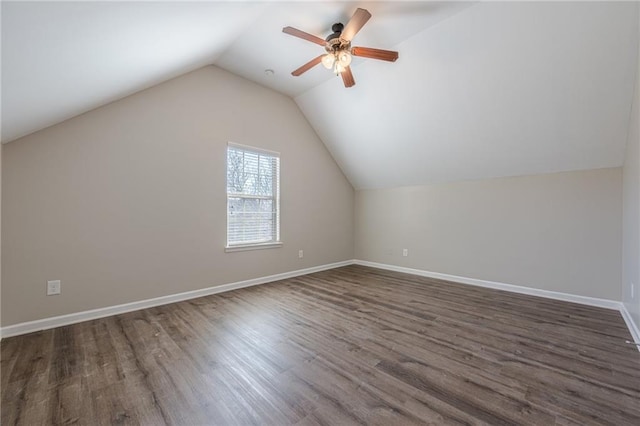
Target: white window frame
{"points": [[275, 197]]}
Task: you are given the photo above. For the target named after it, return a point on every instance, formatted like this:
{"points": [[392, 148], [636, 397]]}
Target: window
{"points": [[253, 197]]}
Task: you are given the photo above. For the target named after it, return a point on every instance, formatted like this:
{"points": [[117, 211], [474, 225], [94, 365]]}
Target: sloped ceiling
{"points": [[60, 59], [480, 90], [499, 89]]}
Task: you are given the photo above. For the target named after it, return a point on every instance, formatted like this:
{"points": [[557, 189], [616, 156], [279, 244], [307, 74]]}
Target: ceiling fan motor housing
{"points": [[335, 42], [336, 45]]}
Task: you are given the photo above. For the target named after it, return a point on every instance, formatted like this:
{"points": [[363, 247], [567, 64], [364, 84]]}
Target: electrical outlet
{"points": [[53, 287], [300, 254], [405, 252]]}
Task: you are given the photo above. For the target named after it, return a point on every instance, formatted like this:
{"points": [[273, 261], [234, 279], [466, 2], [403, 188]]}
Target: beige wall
{"points": [[1, 146], [127, 202], [631, 210], [559, 232]]}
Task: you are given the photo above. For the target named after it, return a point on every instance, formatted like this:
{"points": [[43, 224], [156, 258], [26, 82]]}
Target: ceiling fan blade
{"points": [[368, 52], [306, 67], [355, 24], [305, 36], [347, 77]]}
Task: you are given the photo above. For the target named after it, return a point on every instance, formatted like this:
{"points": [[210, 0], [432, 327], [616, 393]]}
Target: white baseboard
{"points": [[633, 328], [58, 321], [583, 300], [47, 323]]}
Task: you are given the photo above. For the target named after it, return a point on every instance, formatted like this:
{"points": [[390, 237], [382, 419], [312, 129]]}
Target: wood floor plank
{"points": [[353, 345]]}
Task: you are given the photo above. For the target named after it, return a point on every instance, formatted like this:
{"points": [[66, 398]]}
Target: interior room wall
{"points": [[558, 232], [127, 202], [631, 210], [1, 235]]}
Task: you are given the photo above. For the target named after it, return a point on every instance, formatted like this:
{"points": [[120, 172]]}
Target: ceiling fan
{"points": [[338, 48]]}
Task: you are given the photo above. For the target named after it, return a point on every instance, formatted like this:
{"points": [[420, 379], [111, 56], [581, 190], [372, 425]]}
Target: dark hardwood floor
{"points": [[353, 345]]}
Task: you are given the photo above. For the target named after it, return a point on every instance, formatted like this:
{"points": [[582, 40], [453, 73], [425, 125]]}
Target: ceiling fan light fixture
{"points": [[344, 58], [328, 60]]}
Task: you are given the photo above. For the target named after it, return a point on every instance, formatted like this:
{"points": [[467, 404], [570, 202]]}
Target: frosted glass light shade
{"points": [[328, 60], [344, 58]]}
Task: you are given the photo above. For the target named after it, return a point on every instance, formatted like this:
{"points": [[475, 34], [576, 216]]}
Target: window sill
{"points": [[246, 247]]}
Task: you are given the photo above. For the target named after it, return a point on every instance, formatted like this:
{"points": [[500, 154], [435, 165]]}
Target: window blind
{"points": [[253, 196]]}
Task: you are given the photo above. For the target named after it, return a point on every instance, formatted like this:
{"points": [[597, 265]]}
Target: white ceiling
{"points": [[499, 89], [60, 59], [480, 90]]}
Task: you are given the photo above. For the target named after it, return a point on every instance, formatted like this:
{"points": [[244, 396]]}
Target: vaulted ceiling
{"points": [[480, 90]]}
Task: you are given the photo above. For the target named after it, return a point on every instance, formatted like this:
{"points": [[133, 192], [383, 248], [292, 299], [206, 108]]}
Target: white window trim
{"points": [[230, 248], [257, 246], [254, 149]]}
